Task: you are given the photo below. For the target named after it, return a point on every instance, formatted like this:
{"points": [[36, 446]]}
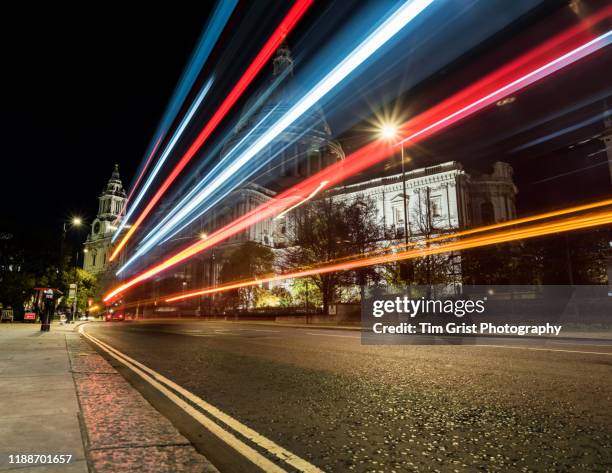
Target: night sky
{"points": [[85, 90]]}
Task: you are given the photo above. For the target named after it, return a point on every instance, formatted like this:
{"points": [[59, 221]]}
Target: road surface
{"points": [[522, 405]]}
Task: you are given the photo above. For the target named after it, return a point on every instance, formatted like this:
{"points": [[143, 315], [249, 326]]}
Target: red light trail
{"points": [[553, 55], [291, 19], [139, 177]]}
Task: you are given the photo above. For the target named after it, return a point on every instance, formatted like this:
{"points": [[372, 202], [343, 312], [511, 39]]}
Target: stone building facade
{"points": [[98, 246], [456, 199]]}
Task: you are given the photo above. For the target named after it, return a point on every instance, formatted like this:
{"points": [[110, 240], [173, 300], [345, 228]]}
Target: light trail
{"points": [[488, 228], [600, 117], [519, 73], [154, 235], [219, 198], [304, 200], [135, 186], [542, 229], [287, 24], [374, 41], [219, 18], [168, 149], [450, 236]]}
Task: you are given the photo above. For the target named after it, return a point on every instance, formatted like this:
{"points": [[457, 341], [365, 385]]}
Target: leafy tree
{"points": [[326, 230], [306, 294], [426, 223], [577, 258], [27, 259], [364, 237], [249, 260]]}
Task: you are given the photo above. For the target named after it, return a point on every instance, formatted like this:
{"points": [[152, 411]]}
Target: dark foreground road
{"points": [[527, 406]]}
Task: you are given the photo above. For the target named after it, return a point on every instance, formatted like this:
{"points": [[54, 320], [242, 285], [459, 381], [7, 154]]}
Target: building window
{"points": [[93, 259], [435, 206], [487, 213], [398, 216]]}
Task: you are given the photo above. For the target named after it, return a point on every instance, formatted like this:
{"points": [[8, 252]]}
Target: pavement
{"points": [[500, 405], [60, 397]]}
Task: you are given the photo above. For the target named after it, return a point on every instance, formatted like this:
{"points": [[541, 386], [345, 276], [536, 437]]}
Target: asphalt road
{"points": [[524, 405]]}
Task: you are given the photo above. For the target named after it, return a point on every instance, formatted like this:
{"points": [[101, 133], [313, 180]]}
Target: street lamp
{"points": [[75, 222], [390, 132]]}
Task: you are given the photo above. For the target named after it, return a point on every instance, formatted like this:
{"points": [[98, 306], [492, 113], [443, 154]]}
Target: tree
{"points": [[249, 260], [570, 258], [365, 235], [27, 259], [427, 222], [326, 230], [318, 233], [306, 294]]}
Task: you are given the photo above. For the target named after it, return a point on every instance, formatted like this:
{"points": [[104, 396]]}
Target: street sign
{"points": [[72, 291]]}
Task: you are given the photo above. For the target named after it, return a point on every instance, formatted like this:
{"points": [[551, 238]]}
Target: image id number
{"points": [[33, 459]]}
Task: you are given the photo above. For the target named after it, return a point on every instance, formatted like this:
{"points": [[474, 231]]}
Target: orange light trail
{"points": [[487, 228], [592, 219]]}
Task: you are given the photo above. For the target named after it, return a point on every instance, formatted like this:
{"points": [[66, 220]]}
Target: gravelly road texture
{"points": [[123, 433], [348, 407]]}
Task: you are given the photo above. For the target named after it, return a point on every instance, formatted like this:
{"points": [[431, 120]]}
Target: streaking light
{"points": [[378, 38], [379, 150], [297, 11], [592, 219], [312, 194], [495, 226], [219, 18], [144, 168], [155, 235], [167, 150]]}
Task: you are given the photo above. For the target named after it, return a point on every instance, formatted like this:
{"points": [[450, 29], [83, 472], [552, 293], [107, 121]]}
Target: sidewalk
{"points": [[39, 411], [59, 396]]}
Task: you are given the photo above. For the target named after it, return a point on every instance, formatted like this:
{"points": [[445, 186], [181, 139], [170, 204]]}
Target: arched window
{"points": [[487, 213]]}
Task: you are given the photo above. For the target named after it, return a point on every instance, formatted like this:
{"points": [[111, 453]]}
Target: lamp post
{"points": [[75, 222], [390, 132]]}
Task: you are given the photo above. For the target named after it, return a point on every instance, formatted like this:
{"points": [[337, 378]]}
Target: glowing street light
{"points": [[388, 131], [76, 221], [203, 236]]}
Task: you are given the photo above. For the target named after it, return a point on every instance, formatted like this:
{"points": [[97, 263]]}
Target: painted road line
{"points": [[331, 335], [251, 454], [604, 345], [547, 349], [268, 445]]}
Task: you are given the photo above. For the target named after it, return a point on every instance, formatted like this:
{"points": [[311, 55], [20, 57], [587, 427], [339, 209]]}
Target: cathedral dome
{"points": [[305, 147]]}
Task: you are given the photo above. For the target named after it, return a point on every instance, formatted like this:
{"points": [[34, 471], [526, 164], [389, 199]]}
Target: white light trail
{"points": [[378, 38], [175, 137]]}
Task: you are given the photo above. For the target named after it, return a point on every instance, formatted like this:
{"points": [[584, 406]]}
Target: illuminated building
{"points": [[456, 199], [98, 245]]}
